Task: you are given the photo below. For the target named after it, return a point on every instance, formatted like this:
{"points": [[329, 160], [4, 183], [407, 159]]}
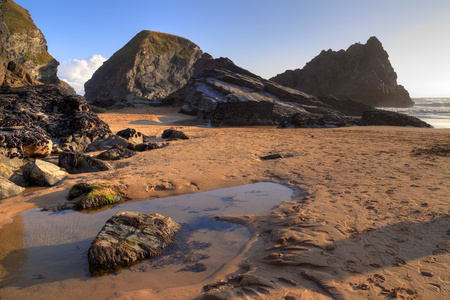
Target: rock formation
{"points": [[4, 32], [129, 237], [26, 45], [42, 173], [149, 67], [64, 117], [76, 163], [362, 72], [93, 194]]}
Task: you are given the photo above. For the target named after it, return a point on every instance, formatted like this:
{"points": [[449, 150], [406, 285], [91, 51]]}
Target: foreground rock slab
{"points": [[129, 237], [41, 173], [9, 189]]}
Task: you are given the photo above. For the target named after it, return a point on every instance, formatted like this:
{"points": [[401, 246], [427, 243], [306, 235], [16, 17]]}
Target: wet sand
{"points": [[374, 223]]}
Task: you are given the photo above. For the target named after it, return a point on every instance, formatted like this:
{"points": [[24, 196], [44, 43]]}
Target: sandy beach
{"points": [[368, 219]]}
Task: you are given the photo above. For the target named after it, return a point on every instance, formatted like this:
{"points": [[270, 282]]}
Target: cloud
{"points": [[77, 71]]}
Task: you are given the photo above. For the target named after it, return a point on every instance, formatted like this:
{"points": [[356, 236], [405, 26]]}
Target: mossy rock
{"points": [[96, 194]]}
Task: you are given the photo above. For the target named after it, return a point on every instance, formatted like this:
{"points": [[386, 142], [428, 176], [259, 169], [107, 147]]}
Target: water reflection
{"points": [[52, 247]]}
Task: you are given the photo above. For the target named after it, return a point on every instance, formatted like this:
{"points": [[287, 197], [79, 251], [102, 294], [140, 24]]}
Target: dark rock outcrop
{"points": [[41, 173], [115, 153], [150, 146], [172, 134], [384, 117], [362, 72], [108, 143], [129, 237], [76, 163], [50, 107], [229, 98], [148, 68], [133, 136]]}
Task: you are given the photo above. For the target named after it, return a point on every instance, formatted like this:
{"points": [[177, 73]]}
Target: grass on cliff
{"points": [[156, 42], [17, 18]]}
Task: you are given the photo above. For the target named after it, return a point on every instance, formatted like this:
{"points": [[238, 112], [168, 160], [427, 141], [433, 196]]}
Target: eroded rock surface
{"points": [[61, 115], [363, 72], [149, 67], [384, 117], [129, 237]]}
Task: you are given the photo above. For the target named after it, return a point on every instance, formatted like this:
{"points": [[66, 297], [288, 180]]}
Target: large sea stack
{"points": [[362, 72], [26, 48], [149, 67]]}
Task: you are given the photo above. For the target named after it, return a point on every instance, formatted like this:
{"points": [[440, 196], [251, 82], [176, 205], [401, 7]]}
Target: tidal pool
{"points": [[45, 253]]}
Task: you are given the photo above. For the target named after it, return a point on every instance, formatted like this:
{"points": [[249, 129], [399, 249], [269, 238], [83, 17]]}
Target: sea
{"points": [[434, 111]]}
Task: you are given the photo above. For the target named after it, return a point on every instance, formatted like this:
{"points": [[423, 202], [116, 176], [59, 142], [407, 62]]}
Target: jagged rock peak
{"points": [[149, 67], [26, 46], [362, 72]]}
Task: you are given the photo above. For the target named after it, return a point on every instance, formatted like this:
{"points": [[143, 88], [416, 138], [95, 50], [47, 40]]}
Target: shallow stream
{"points": [[45, 253]]}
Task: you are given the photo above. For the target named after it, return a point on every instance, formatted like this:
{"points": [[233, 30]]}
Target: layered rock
{"points": [[26, 46], [363, 72], [129, 237], [149, 67], [230, 98]]}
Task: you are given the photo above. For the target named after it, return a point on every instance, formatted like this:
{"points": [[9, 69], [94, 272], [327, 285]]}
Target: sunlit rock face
{"points": [[3, 36], [149, 67], [26, 46], [363, 72]]}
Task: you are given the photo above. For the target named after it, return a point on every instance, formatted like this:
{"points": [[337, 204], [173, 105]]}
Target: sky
{"points": [[266, 37]]}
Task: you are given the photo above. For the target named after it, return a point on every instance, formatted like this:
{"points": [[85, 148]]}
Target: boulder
{"points": [[384, 117], [108, 143], [115, 153], [150, 146], [148, 68], [76, 163], [172, 134], [133, 136], [41, 173], [9, 189], [363, 72], [94, 194], [129, 237]]}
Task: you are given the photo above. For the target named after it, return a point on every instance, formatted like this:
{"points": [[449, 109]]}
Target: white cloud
{"points": [[77, 71]]}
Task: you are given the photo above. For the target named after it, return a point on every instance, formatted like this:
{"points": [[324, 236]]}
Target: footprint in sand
{"points": [[373, 257]]}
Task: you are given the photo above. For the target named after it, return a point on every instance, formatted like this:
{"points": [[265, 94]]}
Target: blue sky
{"points": [[265, 37]]}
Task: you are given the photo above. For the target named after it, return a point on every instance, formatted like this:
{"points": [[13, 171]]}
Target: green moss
{"points": [[17, 18], [96, 194], [156, 42]]}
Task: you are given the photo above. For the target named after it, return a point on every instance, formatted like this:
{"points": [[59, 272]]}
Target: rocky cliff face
{"points": [[149, 67], [4, 32], [26, 46], [362, 72]]}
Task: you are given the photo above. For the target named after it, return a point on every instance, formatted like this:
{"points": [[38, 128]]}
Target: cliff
{"points": [[363, 72], [26, 47], [4, 32], [149, 67]]}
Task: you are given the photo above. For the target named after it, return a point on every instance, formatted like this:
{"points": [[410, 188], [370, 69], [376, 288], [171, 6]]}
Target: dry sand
{"points": [[374, 223]]}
